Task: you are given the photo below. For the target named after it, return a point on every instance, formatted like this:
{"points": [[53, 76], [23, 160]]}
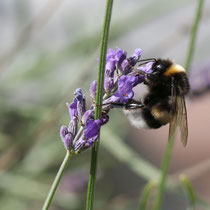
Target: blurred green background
{"points": [[50, 48]]}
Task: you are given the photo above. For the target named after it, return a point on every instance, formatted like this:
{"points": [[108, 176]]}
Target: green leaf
{"points": [[188, 188], [145, 194]]}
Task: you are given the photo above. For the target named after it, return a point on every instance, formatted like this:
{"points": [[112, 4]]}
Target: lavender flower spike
{"points": [[120, 79]]}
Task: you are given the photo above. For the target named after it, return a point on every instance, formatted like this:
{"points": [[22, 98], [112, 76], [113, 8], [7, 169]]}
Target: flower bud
{"points": [[108, 84], [93, 88]]}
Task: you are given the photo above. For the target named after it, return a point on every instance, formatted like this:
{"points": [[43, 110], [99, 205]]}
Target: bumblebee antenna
{"points": [[148, 59], [145, 61]]}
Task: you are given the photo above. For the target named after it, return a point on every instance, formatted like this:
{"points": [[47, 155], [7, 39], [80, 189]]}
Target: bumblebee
{"points": [[165, 101]]}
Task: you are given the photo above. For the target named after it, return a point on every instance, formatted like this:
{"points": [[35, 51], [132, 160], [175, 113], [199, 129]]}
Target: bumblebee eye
{"points": [[158, 67]]}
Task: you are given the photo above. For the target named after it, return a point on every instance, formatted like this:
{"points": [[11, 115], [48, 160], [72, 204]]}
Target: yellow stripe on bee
{"points": [[174, 69], [161, 115]]}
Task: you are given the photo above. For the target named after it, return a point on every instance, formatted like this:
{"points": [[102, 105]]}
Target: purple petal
{"points": [[120, 55], [78, 94], [81, 102], [88, 114], [68, 140], [91, 141], [124, 98], [138, 52], [72, 109], [146, 68], [126, 83], [63, 131], [93, 88], [110, 67], [125, 86], [79, 145], [111, 54], [108, 84], [112, 99], [92, 128], [125, 67], [66, 137], [135, 57], [72, 128], [81, 108]]}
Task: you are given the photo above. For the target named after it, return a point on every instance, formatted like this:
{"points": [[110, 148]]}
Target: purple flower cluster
{"points": [[121, 76]]}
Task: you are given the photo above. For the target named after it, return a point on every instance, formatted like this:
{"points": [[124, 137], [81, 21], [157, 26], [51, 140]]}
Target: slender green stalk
{"points": [[164, 171], [99, 96], [191, 48], [56, 181], [145, 195], [60, 173], [169, 148]]}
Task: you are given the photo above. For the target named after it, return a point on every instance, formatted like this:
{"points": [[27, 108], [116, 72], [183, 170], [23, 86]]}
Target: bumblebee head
{"points": [[163, 68], [158, 70], [166, 68]]}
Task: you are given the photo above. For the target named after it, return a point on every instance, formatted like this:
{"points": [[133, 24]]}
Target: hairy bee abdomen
{"points": [[181, 83], [136, 118]]}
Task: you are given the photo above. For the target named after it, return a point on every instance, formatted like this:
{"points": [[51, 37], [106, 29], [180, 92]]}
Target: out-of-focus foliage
{"points": [[50, 48]]}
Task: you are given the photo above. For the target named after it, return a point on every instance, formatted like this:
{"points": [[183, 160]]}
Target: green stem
{"points": [[169, 148], [164, 171], [191, 48], [99, 96], [56, 181]]}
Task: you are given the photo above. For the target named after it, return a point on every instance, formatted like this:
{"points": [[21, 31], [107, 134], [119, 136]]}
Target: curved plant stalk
{"points": [[164, 171], [191, 48], [99, 95], [59, 174], [56, 181], [169, 147]]}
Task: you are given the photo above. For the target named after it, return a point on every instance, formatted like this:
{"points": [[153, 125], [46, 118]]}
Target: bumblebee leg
{"points": [[118, 105], [132, 104]]}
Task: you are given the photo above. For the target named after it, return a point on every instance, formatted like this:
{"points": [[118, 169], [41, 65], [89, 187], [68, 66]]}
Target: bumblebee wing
{"points": [[179, 118], [182, 119], [173, 111]]}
